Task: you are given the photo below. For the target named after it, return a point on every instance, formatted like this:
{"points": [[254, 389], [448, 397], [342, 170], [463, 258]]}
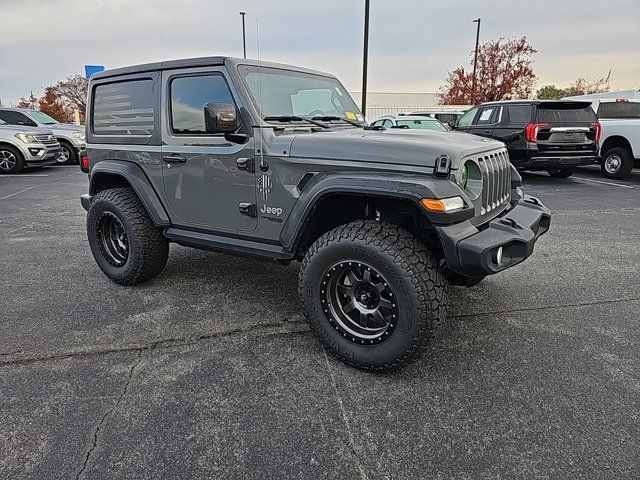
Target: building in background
{"points": [[386, 103]]}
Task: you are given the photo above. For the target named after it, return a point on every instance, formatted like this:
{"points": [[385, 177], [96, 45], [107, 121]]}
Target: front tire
{"points": [[616, 163], [11, 160], [125, 243], [373, 294], [69, 154], [562, 172]]}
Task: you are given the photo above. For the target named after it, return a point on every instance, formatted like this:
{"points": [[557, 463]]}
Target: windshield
{"points": [[281, 93], [423, 124], [43, 118]]}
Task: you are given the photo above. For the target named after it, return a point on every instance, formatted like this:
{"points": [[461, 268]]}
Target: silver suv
{"points": [[70, 136], [26, 147]]}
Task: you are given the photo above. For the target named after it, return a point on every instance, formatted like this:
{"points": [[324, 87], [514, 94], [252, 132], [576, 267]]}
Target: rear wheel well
{"points": [[103, 181], [334, 210], [615, 141]]}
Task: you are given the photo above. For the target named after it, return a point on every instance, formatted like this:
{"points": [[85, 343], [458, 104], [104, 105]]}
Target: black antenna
{"points": [[263, 165]]}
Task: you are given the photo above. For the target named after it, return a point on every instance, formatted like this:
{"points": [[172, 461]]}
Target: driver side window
{"points": [[17, 118], [467, 118]]}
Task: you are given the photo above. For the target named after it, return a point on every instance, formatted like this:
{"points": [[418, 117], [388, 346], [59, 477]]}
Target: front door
{"points": [[204, 182]]}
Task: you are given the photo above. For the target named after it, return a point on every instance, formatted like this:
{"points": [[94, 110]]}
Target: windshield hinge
{"points": [[443, 166]]}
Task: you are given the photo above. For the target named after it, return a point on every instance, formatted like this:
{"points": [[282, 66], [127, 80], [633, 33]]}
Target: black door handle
{"points": [[175, 158], [486, 131]]}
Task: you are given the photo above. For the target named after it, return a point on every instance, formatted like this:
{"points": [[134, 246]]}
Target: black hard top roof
{"points": [[198, 62], [549, 103]]}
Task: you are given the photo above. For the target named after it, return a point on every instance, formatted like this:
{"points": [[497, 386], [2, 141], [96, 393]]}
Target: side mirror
{"points": [[453, 123], [220, 118]]}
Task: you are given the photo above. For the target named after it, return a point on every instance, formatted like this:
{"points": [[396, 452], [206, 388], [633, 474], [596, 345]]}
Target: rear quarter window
{"points": [[519, 113], [123, 108], [619, 110]]}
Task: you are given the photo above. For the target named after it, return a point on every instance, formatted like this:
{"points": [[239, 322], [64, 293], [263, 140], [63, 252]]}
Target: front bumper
{"points": [[502, 243], [39, 154]]}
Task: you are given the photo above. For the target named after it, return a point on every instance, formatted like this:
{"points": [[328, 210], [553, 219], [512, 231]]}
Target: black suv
{"points": [[556, 136]]}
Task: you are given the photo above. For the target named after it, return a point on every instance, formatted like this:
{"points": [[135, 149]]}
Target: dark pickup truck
{"points": [[556, 136]]}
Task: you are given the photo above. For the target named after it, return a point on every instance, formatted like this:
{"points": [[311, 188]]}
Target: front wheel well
{"points": [[615, 141], [334, 210]]}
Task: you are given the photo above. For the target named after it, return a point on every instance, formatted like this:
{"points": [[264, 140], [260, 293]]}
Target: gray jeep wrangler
{"points": [[276, 162]]}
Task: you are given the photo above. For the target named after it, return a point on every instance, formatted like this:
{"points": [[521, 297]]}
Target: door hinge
{"points": [[248, 209], [246, 164]]}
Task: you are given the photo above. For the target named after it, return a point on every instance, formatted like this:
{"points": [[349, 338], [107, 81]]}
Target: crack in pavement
{"points": [[192, 340], [163, 343], [365, 472], [547, 307], [107, 414]]}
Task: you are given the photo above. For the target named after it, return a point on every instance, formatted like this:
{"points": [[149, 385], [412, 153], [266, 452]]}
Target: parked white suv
{"points": [[26, 147], [70, 136], [620, 140]]}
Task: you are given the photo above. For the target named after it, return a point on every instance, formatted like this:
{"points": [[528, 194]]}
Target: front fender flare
{"points": [[409, 187]]}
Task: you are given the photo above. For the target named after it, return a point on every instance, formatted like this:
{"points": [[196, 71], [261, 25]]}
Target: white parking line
{"points": [[25, 175], [19, 192], [605, 183]]}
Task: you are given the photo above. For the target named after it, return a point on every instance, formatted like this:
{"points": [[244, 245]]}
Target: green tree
{"points": [[550, 92]]}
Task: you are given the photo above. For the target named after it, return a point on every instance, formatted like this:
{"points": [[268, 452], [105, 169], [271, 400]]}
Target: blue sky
{"points": [[412, 43]]}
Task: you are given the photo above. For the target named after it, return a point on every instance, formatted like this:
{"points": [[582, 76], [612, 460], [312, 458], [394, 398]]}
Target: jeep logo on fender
{"points": [[271, 210]]}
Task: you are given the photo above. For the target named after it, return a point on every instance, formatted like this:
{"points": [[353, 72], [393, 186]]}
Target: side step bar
{"points": [[230, 245]]}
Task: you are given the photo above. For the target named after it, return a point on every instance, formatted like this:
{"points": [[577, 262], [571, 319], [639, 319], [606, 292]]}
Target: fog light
{"points": [[499, 256]]}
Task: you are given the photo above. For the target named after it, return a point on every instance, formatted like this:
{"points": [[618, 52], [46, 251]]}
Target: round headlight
{"points": [[471, 179], [464, 176]]}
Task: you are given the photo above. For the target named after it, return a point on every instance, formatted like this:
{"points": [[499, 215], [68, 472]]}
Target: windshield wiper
{"points": [[294, 118], [329, 118]]}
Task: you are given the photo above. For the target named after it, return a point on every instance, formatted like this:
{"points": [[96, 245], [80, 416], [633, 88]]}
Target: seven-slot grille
{"points": [[496, 176]]}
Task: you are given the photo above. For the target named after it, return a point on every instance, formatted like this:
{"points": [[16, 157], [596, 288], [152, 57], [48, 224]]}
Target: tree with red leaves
{"points": [[29, 102], [51, 104], [504, 72]]}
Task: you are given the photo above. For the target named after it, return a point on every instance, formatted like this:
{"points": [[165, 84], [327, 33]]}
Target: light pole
{"points": [[244, 39], [365, 57], [475, 62]]}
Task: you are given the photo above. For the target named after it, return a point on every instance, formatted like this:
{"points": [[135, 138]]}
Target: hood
{"points": [[66, 127], [12, 129], [398, 146]]}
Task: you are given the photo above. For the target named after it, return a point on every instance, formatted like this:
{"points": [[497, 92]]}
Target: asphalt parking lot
{"points": [[210, 371]]}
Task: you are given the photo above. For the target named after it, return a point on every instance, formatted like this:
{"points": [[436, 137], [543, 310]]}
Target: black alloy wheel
{"points": [[359, 302]]}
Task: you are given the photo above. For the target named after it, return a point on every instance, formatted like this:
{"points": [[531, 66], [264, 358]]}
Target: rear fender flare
{"points": [[134, 176]]}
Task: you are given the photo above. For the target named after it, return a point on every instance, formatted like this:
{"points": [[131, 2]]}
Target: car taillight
{"points": [[622, 100], [598, 128], [85, 166], [531, 131]]}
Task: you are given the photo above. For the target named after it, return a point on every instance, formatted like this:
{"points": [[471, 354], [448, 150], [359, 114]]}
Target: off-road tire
{"points": [[148, 249], [19, 160], [410, 269], [562, 172], [73, 154], [626, 165]]}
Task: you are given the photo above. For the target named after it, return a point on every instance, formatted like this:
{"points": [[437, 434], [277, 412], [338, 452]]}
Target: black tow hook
{"points": [[510, 222]]}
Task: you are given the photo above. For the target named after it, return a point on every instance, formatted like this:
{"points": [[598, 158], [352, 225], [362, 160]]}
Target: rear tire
{"points": [[562, 173], [125, 243], [11, 160], [411, 295], [616, 163]]}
